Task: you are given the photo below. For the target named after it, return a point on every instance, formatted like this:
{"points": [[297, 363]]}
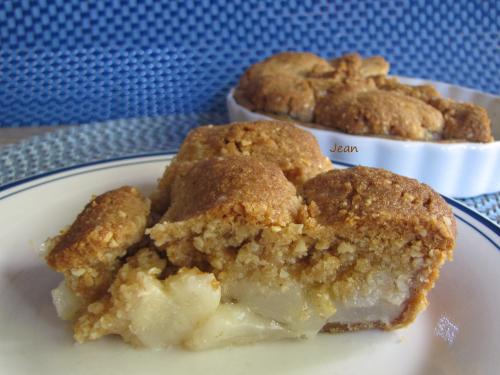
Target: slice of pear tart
{"points": [[243, 253]]}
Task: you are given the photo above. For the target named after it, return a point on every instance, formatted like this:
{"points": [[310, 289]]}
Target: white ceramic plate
{"points": [[458, 334], [455, 169]]}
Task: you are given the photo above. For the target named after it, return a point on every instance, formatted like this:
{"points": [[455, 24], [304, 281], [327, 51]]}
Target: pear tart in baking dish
{"points": [[355, 96], [254, 237]]}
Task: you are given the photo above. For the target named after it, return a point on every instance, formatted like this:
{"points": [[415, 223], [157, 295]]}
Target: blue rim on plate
{"points": [[482, 219], [82, 165]]}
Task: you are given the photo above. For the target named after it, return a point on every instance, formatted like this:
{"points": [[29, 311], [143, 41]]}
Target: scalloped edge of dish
{"points": [[462, 169]]}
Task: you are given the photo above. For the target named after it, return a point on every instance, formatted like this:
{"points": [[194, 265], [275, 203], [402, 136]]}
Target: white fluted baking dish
{"points": [[461, 169]]}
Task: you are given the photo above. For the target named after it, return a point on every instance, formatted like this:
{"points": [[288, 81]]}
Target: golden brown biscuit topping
{"points": [[293, 150], [354, 95], [361, 111], [371, 195], [233, 184], [88, 251]]}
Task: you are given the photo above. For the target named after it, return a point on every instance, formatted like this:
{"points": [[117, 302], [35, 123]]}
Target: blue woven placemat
{"points": [[112, 139], [94, 142], [75, 62]]}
